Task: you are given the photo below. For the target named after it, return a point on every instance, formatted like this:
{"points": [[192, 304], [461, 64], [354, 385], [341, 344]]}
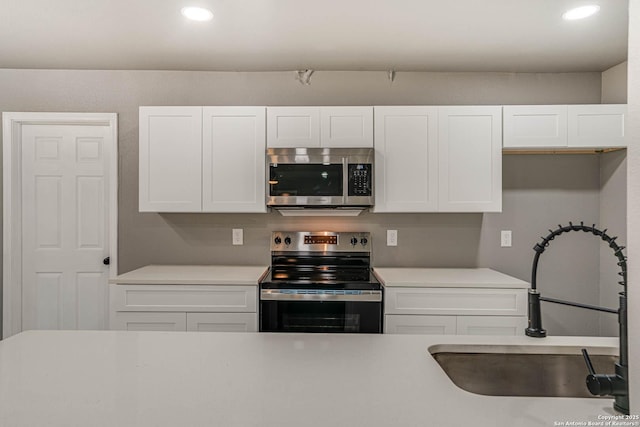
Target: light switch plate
{"points": [[392, 237], [505, 238], [237, 236]]}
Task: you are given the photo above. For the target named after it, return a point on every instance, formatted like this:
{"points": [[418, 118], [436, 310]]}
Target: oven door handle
{"points": [[319, 295]]}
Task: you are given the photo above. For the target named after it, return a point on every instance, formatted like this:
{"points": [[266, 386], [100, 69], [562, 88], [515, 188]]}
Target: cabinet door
{"points": [[597, 125], [149, 321], [170, 171], [233, 167], [456, 301], [534, 126], [491, 325], [346, 127], [406, 159], [293, 127], [172, 298], [470, 154], [420, 325], [222, 322]]}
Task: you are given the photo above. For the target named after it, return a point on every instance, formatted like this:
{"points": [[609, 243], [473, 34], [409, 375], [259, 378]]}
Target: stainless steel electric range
{"points": [[320, 282]]}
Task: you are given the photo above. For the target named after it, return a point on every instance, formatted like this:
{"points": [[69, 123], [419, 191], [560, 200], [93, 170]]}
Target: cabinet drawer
{"points": [[456, 301], [222, 322], [223, 299], [420, 325], [490, 325], [132, 321]]}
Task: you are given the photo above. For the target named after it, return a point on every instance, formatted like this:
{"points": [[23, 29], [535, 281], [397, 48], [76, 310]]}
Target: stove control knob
{"points": [[354, 241], [287, 240], [277, 240], [364, 241]]}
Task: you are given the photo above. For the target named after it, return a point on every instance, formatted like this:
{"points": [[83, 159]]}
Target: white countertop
{"points": [[110, 378], [447, 278], [192, 275]]}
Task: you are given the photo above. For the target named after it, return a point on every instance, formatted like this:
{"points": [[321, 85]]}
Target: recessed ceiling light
{"points": [[580, 12], [197, 13]]}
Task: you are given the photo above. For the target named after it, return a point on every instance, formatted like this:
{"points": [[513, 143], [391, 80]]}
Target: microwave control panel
{"points": [[360, 178]]}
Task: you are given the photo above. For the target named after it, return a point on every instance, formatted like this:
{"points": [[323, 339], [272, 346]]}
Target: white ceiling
{"points": [[270, 35]]}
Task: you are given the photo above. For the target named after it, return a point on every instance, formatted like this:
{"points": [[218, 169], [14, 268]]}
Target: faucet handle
{"points": [[598, 384], [587, 360]]}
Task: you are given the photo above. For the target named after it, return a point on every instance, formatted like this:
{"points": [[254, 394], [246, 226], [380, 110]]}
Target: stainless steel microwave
{"points": [[320, 177]]}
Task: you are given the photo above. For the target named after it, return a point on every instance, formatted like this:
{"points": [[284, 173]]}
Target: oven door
{"points": [[304, 310]]}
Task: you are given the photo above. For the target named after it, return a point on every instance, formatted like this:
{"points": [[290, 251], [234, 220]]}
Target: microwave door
{"points": [[303, 184]]}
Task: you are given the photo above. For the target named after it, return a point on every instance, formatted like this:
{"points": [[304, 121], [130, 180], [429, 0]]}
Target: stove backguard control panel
{"points": [[320, 241]]}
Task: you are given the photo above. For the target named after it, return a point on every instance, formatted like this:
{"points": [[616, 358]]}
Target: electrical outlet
{"points": [[236, 236], [392, 237], [505, 238]]}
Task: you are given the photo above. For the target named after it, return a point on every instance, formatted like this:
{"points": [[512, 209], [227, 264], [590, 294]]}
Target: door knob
{"points": [[106, 261]]}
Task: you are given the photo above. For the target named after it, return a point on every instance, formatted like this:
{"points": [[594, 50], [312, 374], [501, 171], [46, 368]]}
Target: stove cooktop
{"points": [[285, 278]]}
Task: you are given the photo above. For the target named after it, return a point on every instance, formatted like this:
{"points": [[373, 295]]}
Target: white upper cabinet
{"points": [[564, 126], [438, 159], [195, 159], [233, 165], [527, 126], [170, 173], [319, 127], [406, 159], [597, 125], [346, 126], [470, 153], [293, 127]]}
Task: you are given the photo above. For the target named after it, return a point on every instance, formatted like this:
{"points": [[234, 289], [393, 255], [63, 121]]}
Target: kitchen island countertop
{"points": [[113, 378], [192, 275]]}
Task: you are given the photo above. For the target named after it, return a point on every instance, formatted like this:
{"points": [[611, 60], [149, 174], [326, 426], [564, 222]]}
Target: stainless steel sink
{"points": [[521, 373]]}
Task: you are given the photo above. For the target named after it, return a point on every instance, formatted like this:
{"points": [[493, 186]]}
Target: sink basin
{"points": [[517, 372]]}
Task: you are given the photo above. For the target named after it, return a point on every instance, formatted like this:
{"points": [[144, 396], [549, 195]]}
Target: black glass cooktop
{"points": [[307, 278]]}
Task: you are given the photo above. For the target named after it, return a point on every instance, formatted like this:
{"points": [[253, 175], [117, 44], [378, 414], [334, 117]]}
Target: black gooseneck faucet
{"points": [[598, 384]]}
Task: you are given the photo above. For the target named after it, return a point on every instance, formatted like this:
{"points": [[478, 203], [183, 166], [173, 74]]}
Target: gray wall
{"points": [[540, 191], [614, 84], [613, 202], [613, 215], [633, 202]]}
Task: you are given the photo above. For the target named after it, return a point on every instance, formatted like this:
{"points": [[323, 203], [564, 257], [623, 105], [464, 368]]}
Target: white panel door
{"points": [[491, 325], [346, 127], [470, 154], [222, 322], [170, 159], [134, 321], [534, 126], [233, 150], [597, 125], [293, 127], [420, 325], [406, 156], [65, 226]]}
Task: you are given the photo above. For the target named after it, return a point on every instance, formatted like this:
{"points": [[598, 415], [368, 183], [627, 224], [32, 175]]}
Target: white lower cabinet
{"points": [[210, 308], [454, 325], [147, 321], [491, 325], [455, 311], [222, 322], [421, 325]]}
